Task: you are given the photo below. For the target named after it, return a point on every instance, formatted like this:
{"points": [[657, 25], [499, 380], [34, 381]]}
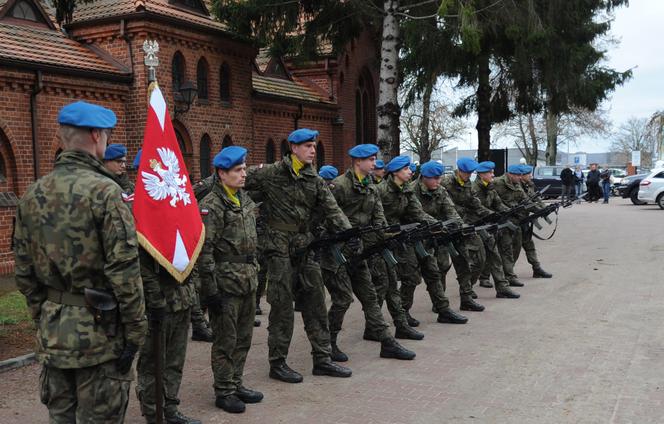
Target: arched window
{"points": [[228, 141], [269, 151], [202, 79], [23, 10], [206, 163], [320, 155], [365, 109], [178, 71], [225, 82], [285, 148], [184, 141]]}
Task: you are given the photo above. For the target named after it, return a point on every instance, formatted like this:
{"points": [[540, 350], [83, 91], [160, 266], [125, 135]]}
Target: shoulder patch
{"points": [[127, 198], [205, 212]]}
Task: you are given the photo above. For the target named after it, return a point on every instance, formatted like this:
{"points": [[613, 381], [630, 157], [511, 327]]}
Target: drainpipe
{"points": [[298, 116], [125, 37], [38, 87]]}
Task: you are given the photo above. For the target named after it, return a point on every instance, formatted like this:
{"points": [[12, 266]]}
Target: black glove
{"points": [[214, 303], [123, 363], [156, 314], [354, 244]]}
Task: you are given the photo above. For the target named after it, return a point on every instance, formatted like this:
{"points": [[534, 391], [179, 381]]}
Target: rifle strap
{"points": [[552, 234]]}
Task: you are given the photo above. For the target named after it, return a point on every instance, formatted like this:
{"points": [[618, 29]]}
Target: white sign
{"points": [[636, 158], [580, 159]]}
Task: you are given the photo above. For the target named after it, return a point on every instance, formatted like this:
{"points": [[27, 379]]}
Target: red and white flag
{"points": [[168, 221]]}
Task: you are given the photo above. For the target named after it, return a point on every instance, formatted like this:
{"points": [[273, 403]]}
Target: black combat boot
{"points": [[448, 316], [538, 272], [248, 395], [230, 403], [201, 333], [178, 418], [337, 355], [486, 283], [259, 311], [411, 321], [471, 305], [506, 293], [407, 332], [257, 322], [370, 336], [282, 372], [331, 369], [390, 348], [473, 294], [516, 283]]}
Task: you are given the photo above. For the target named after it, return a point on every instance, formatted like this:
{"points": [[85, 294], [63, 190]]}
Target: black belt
{"points": [[65, 298], [238, 259], [289, 228]]}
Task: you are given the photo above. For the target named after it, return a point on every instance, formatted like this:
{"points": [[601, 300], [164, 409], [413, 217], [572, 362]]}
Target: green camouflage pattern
{"points": [[289, 202], [97, 394], [527, 241], [127, 185], [73, 231], [509, 242]]}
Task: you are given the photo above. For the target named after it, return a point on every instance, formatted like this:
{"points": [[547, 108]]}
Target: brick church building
{"points": [[243, 96]]}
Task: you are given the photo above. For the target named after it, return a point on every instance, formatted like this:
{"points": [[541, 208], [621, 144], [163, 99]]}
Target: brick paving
{"points": [[583, 347]]}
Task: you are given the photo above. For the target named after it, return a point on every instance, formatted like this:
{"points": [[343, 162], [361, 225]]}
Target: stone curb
{"points": [[19, 361]]}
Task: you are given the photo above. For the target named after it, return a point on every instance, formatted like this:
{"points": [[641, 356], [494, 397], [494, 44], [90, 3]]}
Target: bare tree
{"points": [[656, 127], [636, 135], [441, 129]]}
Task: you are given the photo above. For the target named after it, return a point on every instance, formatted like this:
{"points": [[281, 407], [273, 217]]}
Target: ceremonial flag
{"points": [[168, 221]]}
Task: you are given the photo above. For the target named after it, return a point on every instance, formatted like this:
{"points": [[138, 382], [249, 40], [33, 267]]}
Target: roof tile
{"points": [[286, 88]]}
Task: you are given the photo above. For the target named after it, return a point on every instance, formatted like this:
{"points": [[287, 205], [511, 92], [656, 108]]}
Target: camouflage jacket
{"points": [[530, 189], [466, 202], [488, 195], [400, 204], [511, 194], [127, 185], [204, 186], [436, 203], [227, 264], [289, 202], [161, 289], [73, 231]]}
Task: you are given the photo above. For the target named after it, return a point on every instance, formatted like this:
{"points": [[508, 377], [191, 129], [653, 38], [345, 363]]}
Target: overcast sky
{"points": [[639, 31]]}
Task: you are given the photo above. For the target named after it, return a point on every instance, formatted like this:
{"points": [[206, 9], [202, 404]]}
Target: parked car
{"points": [[651, 188], [629, 188], [549, 175]]}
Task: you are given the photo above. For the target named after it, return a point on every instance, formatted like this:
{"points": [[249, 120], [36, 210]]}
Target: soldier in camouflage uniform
{"points": [[508, 186], [359, 200], [485, 191], [292, 191], [527, 241], [437, 203], [401, 206], [468, 265], [228, 273], [73, 232], [168, 302], [379, 172], [115, 160]]}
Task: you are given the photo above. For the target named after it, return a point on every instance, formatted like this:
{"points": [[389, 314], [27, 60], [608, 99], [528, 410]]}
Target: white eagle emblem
{"points": [[168, 181]]}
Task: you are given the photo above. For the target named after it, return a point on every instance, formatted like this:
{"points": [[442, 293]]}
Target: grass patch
{"points": [[13, 309]]}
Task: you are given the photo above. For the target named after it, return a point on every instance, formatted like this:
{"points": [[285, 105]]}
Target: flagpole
{"points": [[151, 48]]}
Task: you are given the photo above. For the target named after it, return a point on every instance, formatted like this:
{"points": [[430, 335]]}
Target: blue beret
{"points": [[87, 115], [526, 169], [514, 169], [432, 169], [328, 172], [362, 151], [137, 159], [486, 166], [115, 151], [379, 164], [467, 165], [302, 135], [397, 163], [229, 157], [413, 167]]}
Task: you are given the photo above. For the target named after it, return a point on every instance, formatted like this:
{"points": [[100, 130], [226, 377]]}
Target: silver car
{"points": [[651, 189]]}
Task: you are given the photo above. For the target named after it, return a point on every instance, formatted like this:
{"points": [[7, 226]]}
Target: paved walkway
{"points": [[584, 347]]}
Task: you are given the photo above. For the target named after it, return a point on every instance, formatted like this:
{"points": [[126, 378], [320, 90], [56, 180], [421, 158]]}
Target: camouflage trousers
{"points": [[494, 264], [174, 338], [197, 314], [509, 245], [232, 327], [444, 263], [386, 282], [286, 281], [412, 269], [91, 395], [262, 277], [341, 284], [468, 264], [528, 245]]}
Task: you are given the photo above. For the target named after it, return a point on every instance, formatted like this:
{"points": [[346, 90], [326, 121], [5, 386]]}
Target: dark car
{"points": [[549, 175], [629, 188]]}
